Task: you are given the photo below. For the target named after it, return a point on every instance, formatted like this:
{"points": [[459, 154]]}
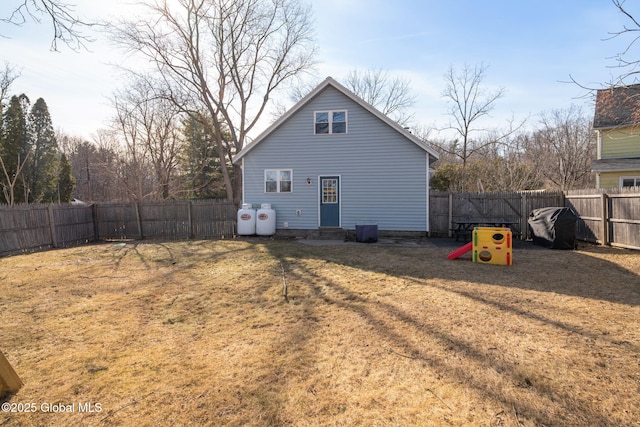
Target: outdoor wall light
{"points": [[308, 181]]}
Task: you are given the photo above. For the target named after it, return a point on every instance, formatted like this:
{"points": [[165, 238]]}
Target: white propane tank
{"points": [[265, 220], [246, 220]]}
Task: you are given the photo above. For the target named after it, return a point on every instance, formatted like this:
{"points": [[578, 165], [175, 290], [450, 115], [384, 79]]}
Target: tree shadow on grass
{"points": [[390, 321]]}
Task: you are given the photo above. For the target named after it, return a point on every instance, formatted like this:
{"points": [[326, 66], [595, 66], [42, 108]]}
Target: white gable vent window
{"points": [[327, 122], [278, 181]]}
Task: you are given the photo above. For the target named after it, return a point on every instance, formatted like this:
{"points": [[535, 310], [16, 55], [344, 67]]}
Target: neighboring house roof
{"points": [[617, 107], [615, 165], [333, 83]]}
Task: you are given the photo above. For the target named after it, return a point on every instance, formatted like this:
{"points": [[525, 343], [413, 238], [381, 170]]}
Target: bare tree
{"points": [[563, 149], [391, 95], [7, 76], [9, 186], [224, 57], [67, 26], [469, 102], [104, 166], [149, 124], [134, 164]]}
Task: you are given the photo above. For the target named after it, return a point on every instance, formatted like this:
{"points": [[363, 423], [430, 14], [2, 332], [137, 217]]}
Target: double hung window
{"points": [[329, 122], [278, 181]]}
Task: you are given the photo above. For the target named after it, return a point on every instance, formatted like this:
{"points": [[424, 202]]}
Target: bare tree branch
{"points": [[629, 67], [392, 96], [8, 189], [67, 26], [469, 102]]}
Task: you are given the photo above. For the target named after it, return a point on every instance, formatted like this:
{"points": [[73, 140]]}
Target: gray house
{"points": [[334, 161]]}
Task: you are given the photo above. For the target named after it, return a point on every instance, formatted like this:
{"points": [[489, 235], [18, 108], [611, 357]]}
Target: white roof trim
{"points": [[329, 81]]}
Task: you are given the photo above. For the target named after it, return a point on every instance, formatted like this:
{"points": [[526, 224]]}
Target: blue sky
{"points": [[530, 48]]}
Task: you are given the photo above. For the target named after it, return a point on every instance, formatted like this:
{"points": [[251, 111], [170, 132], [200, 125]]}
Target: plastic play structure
{"points": [[460, 251], [490, 245]]}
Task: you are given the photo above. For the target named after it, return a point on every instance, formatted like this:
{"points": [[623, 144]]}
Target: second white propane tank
{"points": [[265, 220]]}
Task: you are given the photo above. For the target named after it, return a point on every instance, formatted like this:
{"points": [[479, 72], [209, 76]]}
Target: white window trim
{"points": [[278, 180], [340, 186], [634, 177], [330, 114]]}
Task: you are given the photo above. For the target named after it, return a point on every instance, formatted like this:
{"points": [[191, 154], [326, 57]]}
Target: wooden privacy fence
{"points": [[195, 219], [605, 216], [33, 227], [510, 207], [27, 228], [608, 217]]}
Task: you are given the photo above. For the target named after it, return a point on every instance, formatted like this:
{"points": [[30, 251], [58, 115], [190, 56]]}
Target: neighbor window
{"points": [[278, 181], [630, 181], [327, 122]]}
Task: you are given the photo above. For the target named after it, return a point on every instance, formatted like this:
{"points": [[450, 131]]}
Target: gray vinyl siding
{"points": [[383, 176]]}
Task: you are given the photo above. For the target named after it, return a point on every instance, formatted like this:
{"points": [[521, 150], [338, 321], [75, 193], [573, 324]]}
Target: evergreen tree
{"points": [[41, 168], [66, 183], [14, 149], [201, 163]]}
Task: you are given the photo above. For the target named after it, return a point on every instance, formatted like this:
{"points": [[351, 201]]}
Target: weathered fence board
{"points": [[624, 220], [25, 228], [590, 212], [608, 216], [165, 220], [73, 224], [212, 218], [200, 219], [118, 221]]}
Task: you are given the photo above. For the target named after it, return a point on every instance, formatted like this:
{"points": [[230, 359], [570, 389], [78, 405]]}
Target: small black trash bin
{"points": [[366, 233], [553, 228]]}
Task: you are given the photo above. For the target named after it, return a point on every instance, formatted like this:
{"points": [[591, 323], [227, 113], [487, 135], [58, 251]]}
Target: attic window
{"points": [[328, 122]]}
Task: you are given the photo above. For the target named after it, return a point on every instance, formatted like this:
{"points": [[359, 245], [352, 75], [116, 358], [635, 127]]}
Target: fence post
{"points": [[189, 213], [524, 216], [604, 202], [52, 226], [139, 219], [96, 226], [450, 214]]}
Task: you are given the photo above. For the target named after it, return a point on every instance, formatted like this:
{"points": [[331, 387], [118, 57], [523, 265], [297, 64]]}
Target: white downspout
{"points": [[427, 201]]}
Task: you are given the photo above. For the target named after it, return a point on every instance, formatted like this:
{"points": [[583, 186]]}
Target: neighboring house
{"points": [[334, 161], [617, 124]]}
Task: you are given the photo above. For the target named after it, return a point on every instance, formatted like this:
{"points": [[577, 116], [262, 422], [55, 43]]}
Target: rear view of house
{"points": [[334, 161], [617, 124]]}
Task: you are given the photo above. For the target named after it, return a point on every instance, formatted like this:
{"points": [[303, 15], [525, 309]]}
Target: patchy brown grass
{"points": [[199, 333]]}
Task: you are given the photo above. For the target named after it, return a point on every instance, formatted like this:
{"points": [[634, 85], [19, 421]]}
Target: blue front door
{"points": [[329, 201]]}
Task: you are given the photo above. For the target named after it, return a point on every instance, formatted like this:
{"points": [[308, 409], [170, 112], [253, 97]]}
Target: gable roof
{"points": [[617, 107], [329, 81]]}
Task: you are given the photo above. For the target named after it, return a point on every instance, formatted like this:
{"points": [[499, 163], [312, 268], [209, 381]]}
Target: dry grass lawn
{"points": [[198, 333]]}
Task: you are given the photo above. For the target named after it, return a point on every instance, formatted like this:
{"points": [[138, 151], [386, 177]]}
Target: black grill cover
{"points": [[553, 228]]}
